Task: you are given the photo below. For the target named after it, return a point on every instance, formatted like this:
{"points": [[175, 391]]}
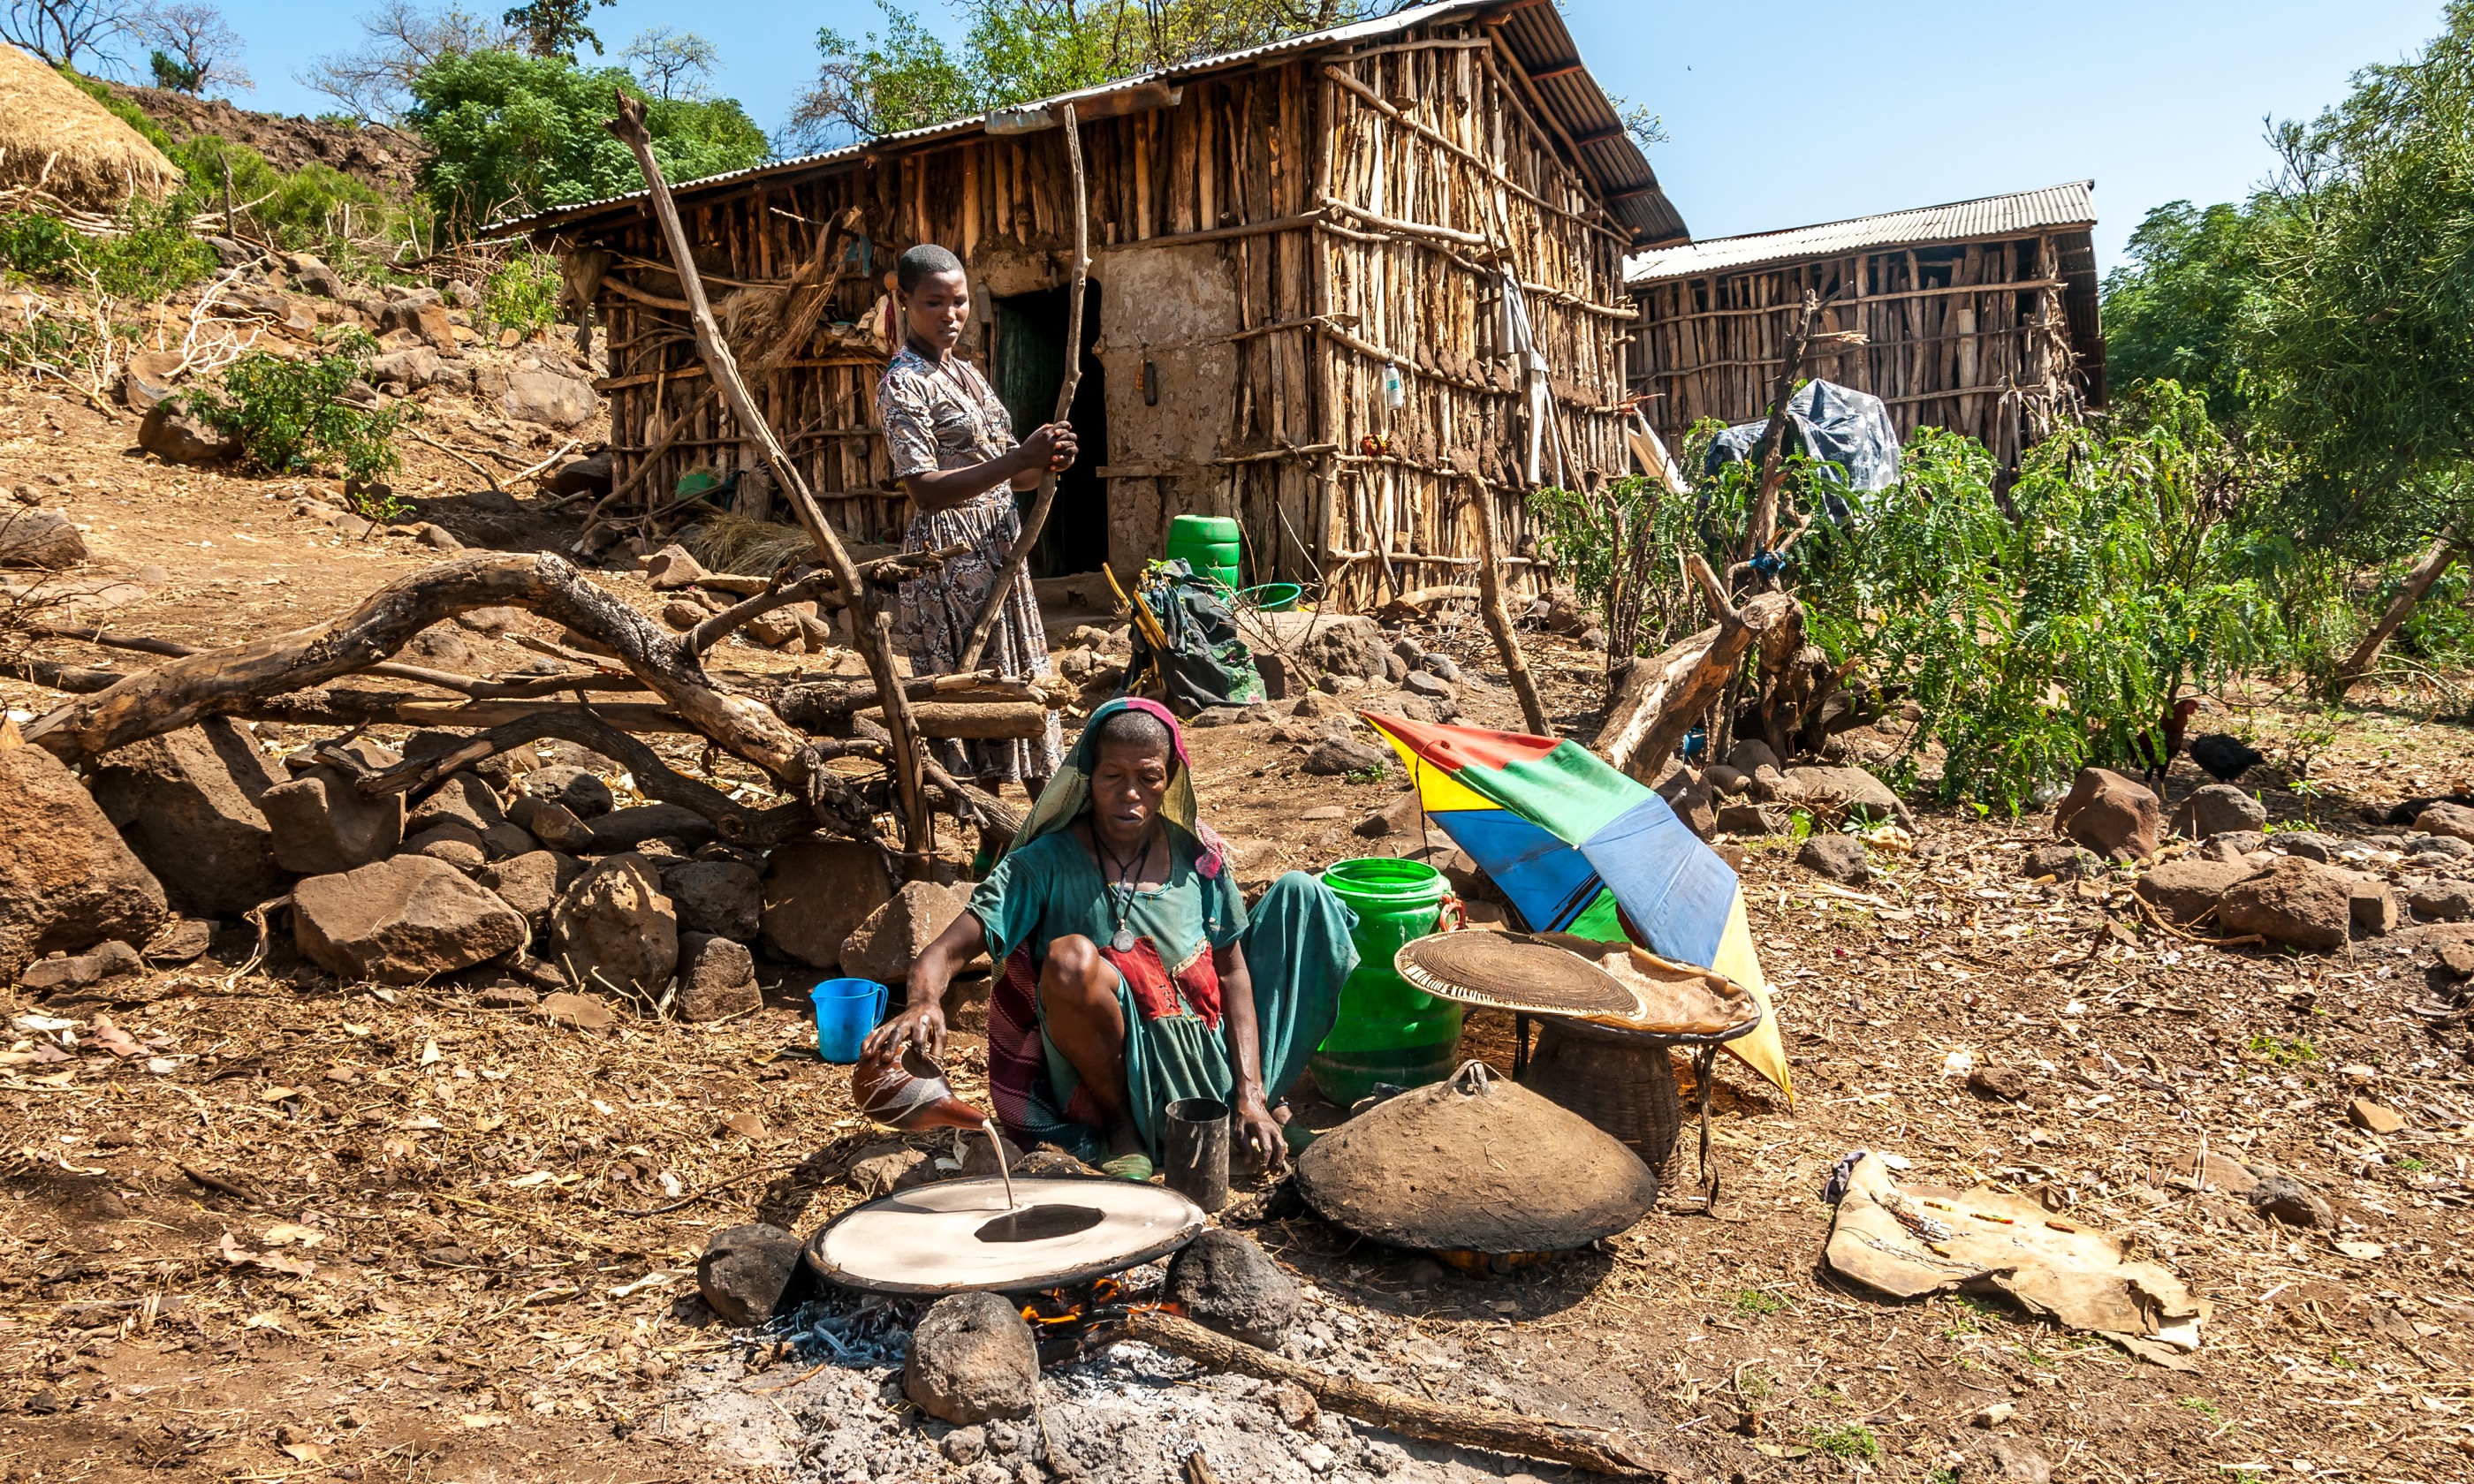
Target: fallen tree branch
{"points": [[1598, 1450], [657, 779], [217, 682]]}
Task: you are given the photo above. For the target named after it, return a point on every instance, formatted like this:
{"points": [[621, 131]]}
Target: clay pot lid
{"points": [[1475, 1164]]}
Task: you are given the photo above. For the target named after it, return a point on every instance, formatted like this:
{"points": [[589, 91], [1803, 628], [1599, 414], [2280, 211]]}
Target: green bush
{"points": [[300, 210], [523, 293], [286, 413], [2046, 626], [36, 246], [148, 260], [509, 132]]}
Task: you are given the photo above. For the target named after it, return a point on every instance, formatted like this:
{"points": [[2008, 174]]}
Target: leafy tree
{"points": [[1017, 50], [511, 131], [173, 76], [404, 40], [193, 50], [2173, 310], [2363, 333], [673, 63], [555, 27]]}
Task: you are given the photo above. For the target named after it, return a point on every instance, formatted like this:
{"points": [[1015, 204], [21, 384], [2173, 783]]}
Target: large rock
{"points": [[532, 883], [2294, 901], [2451, 821], [1839, 857], [614, 930], [551, 824], [188, 803], [460, 799], [883, 948], [43, 539], [1340, 756], [716, 897], [147, 377], [173, 435], [580, 789], [815, 892], [1687, 792], [749, 1274], [2291, 1201], [972, 1359], [1863, 795], [1226, 1281], [2188, 889], [624, 829], [2440, 902], [1350, 644], [717, 978], [322, 824], [68, 880], [400, 920], [2112, 815], [2218, 809], [546, 394]]}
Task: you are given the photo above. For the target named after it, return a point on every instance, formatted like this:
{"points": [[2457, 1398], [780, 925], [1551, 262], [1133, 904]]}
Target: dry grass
{"points": [[57, 139], [725, 542]]}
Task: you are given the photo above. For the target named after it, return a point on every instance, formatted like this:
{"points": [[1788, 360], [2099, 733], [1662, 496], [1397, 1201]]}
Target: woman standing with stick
{"points": [[954, 451]]}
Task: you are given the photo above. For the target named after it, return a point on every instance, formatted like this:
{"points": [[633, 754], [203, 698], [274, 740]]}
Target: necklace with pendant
{"points": [[1121, 894]]}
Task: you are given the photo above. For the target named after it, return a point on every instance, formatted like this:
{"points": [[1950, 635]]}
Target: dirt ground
{"points": [[281, 1229]]}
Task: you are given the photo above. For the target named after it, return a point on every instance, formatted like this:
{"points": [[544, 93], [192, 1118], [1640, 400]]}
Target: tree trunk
{"points": [[1657, 700], [2367, 654]]}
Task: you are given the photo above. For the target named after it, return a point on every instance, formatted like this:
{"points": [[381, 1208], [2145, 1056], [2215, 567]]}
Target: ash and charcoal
{"points": [[1128, 1412]]}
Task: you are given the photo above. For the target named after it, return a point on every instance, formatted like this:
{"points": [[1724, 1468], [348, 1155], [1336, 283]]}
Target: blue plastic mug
{"points": [[846, 1011]]}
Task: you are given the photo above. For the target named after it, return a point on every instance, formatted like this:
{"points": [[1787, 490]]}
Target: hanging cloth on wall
{"points": [[1521, 341]]}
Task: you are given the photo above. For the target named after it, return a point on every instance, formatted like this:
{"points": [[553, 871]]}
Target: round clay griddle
{"points": [[958, 1236], [1514, 971]]}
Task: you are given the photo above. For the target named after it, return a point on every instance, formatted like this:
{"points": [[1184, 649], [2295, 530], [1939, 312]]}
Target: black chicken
{"points": [[2226, 759]]}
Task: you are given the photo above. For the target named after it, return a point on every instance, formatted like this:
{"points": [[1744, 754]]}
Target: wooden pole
{"points": [[1498, 618], [872, 625], [2417, 583], [1598, 1450], [985, 624]]}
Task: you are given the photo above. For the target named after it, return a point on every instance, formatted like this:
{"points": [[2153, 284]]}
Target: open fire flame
{"points": [[1062, 1320]]}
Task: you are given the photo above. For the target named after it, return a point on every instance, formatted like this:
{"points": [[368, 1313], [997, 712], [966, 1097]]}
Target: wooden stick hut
{"points": [[1341, 284], [1979, 317]]}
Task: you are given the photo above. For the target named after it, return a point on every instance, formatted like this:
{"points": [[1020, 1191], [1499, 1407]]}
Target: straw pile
{"points": [[55, 139]]}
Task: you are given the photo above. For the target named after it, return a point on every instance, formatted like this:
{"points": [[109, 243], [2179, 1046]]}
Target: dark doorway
{"points": [[1030, 368]]}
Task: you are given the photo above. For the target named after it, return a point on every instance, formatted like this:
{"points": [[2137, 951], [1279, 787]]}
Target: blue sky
{"points": [[1780, 114]]}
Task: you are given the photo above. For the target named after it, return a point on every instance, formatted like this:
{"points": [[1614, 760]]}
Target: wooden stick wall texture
{"points": [[1328, 298], [1970, 337]]}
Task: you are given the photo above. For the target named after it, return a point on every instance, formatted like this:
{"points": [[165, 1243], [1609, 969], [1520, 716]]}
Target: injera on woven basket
{"points": [[1617, 985]]}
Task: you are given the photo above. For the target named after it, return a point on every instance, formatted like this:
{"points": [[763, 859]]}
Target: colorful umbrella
{"points": [[1571, 842]]}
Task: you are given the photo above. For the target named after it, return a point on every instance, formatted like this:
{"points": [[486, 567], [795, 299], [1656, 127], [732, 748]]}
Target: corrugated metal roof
{"points": [[2069, 205], [1535, 32]]}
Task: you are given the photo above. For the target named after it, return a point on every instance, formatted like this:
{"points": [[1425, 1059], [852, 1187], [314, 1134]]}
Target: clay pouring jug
{"points": [[910, 1092]]}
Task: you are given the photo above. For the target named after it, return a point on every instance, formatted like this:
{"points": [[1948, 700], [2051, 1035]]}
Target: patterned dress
{"points": [[942, 416]]}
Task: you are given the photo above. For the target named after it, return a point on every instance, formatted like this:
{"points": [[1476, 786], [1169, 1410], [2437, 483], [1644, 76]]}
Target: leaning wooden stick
{"points": [[985, 624], [1498, 618], [872, 627], [1598, 1450]]}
